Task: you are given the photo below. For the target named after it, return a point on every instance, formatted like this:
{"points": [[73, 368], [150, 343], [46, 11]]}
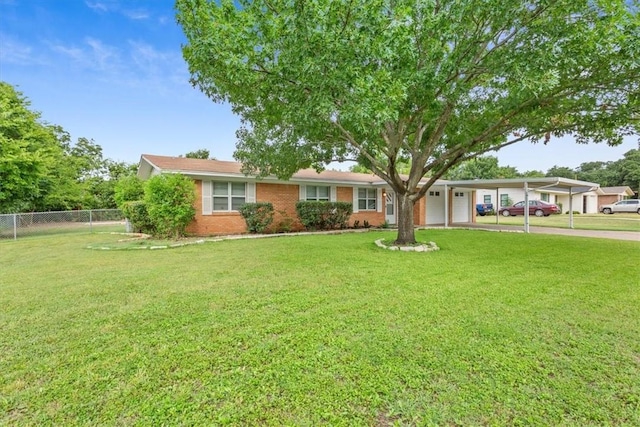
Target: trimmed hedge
{"points": [[323, 215], [258, 216]]}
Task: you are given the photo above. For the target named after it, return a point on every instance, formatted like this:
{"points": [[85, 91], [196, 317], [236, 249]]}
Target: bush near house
{"points": [[169, 199], [316, 215], [258, 216], [136, 212]]}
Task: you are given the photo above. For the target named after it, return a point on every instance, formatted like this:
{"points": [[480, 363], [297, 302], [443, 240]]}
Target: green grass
{"points": [[615, 222], [493, 329], [62, 228]]}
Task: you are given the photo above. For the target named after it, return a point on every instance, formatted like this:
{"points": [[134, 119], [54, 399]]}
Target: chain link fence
{"points": [[17, 225]]}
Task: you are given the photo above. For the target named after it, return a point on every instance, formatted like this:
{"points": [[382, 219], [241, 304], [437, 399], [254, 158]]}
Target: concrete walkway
{"points": [[603, 234]]}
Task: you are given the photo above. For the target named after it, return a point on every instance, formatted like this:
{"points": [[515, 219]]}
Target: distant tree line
{"points": [[41, 169]]}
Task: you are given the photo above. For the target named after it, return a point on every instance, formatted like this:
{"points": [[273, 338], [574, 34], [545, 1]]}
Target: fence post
{"points": [[15, 227], [90, 221]]}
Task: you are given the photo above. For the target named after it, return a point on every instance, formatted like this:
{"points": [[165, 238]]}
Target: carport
{"points": [[567, 186]]}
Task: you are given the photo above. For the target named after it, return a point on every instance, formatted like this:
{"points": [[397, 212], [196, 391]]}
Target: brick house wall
{"points": [[283, 197], [217, 222], [375, 218], [608, 199]]}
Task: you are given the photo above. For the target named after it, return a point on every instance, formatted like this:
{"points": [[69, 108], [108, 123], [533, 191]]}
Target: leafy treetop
{"points": [[427, 82]]}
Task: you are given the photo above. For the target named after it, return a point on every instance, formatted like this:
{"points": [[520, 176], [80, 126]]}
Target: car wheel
{"points": [[607, 211], [638, 211], [538, 212], [505, 213]]}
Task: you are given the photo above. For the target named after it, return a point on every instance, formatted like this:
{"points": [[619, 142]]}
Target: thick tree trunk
{"points": [[406, 230]]}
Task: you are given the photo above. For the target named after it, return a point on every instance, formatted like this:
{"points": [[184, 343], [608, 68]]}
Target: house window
{"points": [[434, 193], [487, 198], [458, 194], [504, 200], [228, 196], [544, 197], [367, 199], [317, 193]]}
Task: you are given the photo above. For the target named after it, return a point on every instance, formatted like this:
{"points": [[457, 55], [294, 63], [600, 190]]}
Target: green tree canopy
{"points": [[429, 82], [40, 169], [202, 153], [29, 152], [562, 172]]}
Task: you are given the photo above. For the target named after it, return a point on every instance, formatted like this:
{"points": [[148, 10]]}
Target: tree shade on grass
{"points": [[495, 328]]}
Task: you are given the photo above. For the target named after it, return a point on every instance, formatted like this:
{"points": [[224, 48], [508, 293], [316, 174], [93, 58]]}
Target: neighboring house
{"points": [[221, 188], [608, 195]]}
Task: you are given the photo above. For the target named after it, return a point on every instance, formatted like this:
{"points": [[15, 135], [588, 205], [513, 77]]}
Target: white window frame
{"points": [[230, 197], [208, 196], [371, 194], [317, 198]]}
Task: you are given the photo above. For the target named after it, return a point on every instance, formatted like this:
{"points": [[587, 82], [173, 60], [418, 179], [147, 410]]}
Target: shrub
{"points": [[136, 212], [323, 215], [285, 224], [128, 189], [258, 216], [169, 199]]}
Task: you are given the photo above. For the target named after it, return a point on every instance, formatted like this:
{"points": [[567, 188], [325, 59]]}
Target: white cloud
{"points": [[16, 52], [93, 54], [136, 14], [101, 7]]}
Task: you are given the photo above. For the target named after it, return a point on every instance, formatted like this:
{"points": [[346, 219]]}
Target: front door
{"points": [[390, 209]]}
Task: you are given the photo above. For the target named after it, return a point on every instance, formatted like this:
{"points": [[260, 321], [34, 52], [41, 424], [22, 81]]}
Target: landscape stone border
{"points": [[420, 247]]}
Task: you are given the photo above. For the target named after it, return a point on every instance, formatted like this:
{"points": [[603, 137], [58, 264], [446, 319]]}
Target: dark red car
{"points": [[536, 207]]}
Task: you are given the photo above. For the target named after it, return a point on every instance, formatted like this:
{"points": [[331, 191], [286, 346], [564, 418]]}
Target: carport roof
{"points": [[548, 183]]}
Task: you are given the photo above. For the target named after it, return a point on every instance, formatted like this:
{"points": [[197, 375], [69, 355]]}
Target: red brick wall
{"points": [[419, 212], [216, 223], [608, 199], [284, 198], [345, 194]]}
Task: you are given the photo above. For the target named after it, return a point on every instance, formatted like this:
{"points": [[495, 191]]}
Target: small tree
{"points": [[169, 199], [128, 189], [258, 216]]}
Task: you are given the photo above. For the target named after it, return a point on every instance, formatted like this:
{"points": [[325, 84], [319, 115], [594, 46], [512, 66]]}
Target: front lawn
{"points": [[493, 329], [616, 222]]}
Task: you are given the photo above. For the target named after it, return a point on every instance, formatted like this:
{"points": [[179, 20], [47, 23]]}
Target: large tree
{"points": [[431, 82], [41, 169]]}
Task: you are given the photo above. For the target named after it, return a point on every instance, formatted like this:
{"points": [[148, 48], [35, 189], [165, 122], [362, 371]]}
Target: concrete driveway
{"points": [[602, 234]]}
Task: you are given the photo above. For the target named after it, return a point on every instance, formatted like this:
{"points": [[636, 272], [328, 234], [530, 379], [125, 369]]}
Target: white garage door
{"points": [[461, 206], [435, 206]]}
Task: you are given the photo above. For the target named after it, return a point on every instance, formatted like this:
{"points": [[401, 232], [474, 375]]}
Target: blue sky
{"points": [[113, 71]]}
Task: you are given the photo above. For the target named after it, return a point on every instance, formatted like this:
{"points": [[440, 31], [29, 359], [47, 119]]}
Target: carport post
{"points": [[496, 206], [446, 206], [526, 207], [570, 207]]}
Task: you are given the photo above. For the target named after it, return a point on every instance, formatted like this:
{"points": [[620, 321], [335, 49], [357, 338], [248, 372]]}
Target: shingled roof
{"points": [[201, 167]]}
